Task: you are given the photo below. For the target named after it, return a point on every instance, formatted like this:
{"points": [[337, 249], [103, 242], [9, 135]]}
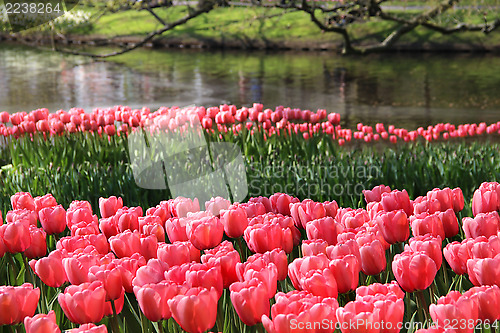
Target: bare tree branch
{"points": [[485, 28], [159, 19], [411, 25], [204, 7]]}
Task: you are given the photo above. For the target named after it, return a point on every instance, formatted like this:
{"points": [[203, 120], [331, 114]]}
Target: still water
{"points": [[407, 90]]}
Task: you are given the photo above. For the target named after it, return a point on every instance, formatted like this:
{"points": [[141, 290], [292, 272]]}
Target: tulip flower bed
{"points": [[275, 263], [226, 119], [86, 155]]}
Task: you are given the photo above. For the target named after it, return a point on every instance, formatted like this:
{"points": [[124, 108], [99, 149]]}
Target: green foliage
{"points": [[86, 167], [254, 26]]}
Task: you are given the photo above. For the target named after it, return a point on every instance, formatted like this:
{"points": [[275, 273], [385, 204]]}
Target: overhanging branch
{"points": [[409, 25], [204, 8], [462, 27]]}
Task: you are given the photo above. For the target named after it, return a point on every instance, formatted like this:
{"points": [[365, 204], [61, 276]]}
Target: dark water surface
{"points": [[407, 90]]}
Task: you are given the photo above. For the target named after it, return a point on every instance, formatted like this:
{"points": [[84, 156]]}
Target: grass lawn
{"points": [[251, 26]]}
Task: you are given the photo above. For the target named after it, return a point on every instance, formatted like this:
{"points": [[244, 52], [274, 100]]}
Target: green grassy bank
{"points": [[253, 27]]}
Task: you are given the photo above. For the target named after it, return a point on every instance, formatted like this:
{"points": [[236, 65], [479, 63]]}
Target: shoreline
{"points": [[166, 42]]}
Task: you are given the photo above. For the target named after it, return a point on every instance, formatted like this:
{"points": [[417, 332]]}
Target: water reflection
{"points": [[407, 90]]}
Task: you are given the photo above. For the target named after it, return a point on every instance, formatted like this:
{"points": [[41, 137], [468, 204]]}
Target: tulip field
{"points": [[375, 229]]}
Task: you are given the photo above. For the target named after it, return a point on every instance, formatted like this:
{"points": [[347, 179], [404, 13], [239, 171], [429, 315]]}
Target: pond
{"points": [[404, 89]]}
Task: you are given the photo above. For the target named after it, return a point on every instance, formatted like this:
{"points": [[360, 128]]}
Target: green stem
{"points": [[400, 247], [160, 326], [27, 269], [445, 273], [143, 322], [260, 328], [242, 252], [423, 304], [433, 292], [114, 318], [220, 316], [13, 267]]}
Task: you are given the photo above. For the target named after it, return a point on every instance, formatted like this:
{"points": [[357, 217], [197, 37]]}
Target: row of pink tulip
{"points": [[125, 251], [281, 121]]}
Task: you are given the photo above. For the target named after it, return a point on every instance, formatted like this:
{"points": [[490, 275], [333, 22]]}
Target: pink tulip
{"points": [[358, 316], [111, 279], [373, 259], [458, 199], [414, 271], [196, 310], [391, 311], [125, 244], [22, 200], [485, 200], [153, 299], [425, 223], [429, 245], [394, 226], [344, 248], [50, 269], [280, 203], [298, 268], [215, 205], [305, 211], [20, 215], [277, 257], [89, 328], [178, 253], [234, 221], [261, 238], [323, 228], [455, 308], [299, 311], [109, 206], [38, 246], [484, 224], [227, 257], [396, 200], [380, 289], [450, 222], [16, 236], [17, 303], [42, 323], [84, 303], [346, 271], [53, 219], [488, 300], [456, 255], [44, 201], [484, 272], [320, 283], [250, 300], [375, 194], [313, 247], [206, 233], [151, 273]]}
